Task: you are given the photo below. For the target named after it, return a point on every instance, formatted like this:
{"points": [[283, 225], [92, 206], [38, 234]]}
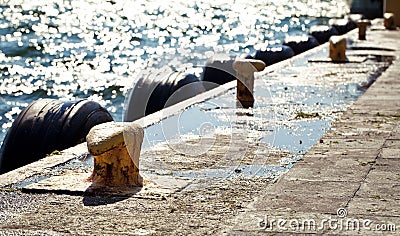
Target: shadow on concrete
{"points": [[102, 200], [106, 196]]}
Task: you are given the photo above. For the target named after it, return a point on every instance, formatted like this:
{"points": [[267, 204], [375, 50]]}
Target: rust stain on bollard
{"points": [[116, 149], [389, 21], [337, 48], [245, 69], [362, 28]]}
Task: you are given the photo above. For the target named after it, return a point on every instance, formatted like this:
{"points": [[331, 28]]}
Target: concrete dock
{"points": [[346, 184], [350, 178]]}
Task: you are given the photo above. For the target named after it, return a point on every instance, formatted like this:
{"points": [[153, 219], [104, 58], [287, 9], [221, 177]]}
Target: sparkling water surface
{"points": [[95, 49]]}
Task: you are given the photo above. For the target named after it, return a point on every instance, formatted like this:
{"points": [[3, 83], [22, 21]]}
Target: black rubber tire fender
{"points": [[301, 43], [152, 93], [342, 25], [219, 70], [323, 32], [46, 125], [272, 55]]}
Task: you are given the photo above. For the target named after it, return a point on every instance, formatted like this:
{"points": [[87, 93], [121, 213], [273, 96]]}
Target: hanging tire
{"points": [[339, 25], [47, 125], [272, 55], [322, 33], [155, 92], [219, 70], [301, 43], [353, 19], [343, 25]]}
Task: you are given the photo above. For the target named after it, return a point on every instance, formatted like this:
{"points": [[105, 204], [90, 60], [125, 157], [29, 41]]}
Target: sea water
{"points": [[96, 49]]}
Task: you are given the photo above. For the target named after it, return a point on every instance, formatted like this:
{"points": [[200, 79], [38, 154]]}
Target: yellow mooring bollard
{"points": [[389, 21], [337, 48], [116, 149], [362, 28], [245, 69]]}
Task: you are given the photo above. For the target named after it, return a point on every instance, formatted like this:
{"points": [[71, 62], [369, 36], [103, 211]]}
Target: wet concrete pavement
{"points": [[350, 175]]}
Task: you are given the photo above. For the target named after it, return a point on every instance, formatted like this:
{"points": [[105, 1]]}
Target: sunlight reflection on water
{"points": [[95, 49]]}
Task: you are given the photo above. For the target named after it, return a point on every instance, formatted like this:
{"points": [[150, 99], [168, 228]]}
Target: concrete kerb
{"points": [[37, 167]]}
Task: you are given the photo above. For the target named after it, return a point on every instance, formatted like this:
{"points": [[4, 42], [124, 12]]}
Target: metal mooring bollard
{"points": [[389, 22], [362, 28], [116, 149], [337, 48], [245, 69]]}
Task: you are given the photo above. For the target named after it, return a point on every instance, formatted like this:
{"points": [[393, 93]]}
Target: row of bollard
{"points": [[337, 45], [116, 146], [220, 71], [153, 93], [245, 69], [244, 74]]}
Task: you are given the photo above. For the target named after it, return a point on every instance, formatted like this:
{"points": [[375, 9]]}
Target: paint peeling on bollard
{"points": [[337, 49], [245, 69], [362, 28], [116, 149], [389, 21]]}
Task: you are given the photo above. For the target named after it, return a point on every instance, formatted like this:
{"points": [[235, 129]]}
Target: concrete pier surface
{"points": [[346, 184]]}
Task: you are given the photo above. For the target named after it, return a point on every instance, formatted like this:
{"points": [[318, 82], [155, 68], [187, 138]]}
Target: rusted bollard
{"points": [[362, 28], [245, 69], [389, 21], [116, 149], [337, 48]]}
